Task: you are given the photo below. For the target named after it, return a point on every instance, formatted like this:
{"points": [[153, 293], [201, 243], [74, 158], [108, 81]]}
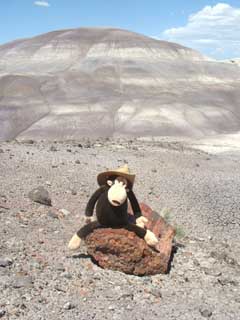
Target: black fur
{"points": [[109, 215]]}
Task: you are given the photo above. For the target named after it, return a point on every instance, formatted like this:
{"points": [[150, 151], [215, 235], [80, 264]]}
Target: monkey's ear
{"points": [[110, 183]]}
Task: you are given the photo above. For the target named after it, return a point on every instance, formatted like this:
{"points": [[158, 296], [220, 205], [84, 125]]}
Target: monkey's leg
{"points": [[136, 229], [87, 229], [75, 242], [147, 235]]}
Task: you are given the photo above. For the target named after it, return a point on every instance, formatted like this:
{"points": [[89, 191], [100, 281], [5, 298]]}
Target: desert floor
{"points": [[198, 192]]}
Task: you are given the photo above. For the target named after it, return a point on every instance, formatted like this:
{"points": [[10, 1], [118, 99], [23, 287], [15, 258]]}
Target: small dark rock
{"points": [[4, 206], [52, 214], [74, 192], [60, 267], [128, 296], [205, 312], [77, 162], [29, 141], [59, 288], [212, 272], [68, 306], [5, 262], [40, 195], [69, 150], [64, 212], [156, 292], [53, 148], [22, 282], [67, 275], [2, 313]]}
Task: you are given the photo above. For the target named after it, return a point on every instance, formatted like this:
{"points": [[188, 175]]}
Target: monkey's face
{"points": [[117, 193]]}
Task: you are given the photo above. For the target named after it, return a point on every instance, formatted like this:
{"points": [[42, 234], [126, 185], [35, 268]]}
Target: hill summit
{"points": [[111, 82]]}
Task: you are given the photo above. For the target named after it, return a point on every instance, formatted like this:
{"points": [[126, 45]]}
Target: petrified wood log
{"points": [[122, 250]]}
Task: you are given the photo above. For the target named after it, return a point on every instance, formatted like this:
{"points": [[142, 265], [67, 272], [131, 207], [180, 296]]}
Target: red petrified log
{"points": [[122, 250]]}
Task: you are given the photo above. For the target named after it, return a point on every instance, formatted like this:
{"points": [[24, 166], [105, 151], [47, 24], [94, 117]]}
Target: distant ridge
{"points": [[109, 82]]}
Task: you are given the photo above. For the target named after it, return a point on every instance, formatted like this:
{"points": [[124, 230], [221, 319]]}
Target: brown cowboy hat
{"points": [[120, 172]]}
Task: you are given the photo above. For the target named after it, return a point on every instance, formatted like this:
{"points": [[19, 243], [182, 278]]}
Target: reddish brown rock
{"points": [[122, 250]]}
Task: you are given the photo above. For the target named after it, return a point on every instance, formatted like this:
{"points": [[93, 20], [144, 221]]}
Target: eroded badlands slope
{"points": [[105, 82]]}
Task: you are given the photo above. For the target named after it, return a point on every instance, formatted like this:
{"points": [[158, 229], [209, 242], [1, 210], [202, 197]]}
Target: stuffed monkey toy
{"points": [[111, 200]]}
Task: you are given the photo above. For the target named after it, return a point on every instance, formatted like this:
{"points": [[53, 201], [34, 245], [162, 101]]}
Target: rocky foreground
{"points": [[197, 192]]}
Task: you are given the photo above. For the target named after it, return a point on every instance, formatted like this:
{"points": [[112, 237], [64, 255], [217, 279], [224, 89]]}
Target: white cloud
{"points": [[213, 30], [42, 3]]}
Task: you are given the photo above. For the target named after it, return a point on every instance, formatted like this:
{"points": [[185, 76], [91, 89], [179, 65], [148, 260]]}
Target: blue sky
{"points": [[213, 27]]}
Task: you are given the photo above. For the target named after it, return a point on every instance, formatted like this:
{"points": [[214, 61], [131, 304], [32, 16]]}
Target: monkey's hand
{"points": [[74, 243], [88, 219], [151, 239], [141, 221]]}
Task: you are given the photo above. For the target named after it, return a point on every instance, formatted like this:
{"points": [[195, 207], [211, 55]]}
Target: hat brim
{"points": [[104, 176]]}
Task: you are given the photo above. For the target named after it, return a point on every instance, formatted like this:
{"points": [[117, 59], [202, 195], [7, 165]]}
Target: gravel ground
{"points": [[41, 279]]}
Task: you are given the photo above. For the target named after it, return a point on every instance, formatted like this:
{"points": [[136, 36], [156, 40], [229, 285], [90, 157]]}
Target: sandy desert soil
{"points": [[41, 279]]}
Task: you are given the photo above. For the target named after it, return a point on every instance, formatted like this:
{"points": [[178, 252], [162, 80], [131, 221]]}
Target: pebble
{"points": [[59, 288], [28, 141], [65, 212], [128, 307], [2, 313], [67, 275], [212, 272], [5, 262], [60, 267], [128, 296], [205, 313], [77, 162], [52, 214], [68, 306], [111, 308], [156, 292], [40, 195], [22, 282], [53, 148]]}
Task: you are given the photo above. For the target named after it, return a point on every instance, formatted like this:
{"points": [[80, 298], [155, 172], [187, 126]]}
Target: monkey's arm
{"points": [[134, 204], [92, 201], [75, 241], [140, 220]]}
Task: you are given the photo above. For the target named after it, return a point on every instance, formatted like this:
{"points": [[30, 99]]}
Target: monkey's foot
{"points": [[141, 221], [151, 239], [75, 242]]}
